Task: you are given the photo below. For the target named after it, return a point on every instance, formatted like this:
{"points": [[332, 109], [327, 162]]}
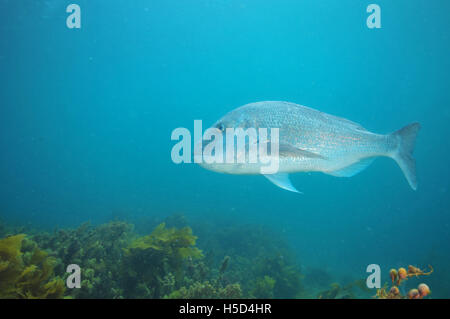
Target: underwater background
{"points": [[86, 117]]}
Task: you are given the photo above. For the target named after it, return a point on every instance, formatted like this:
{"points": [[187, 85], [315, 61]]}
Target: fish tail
{"points": [[406, 138]]}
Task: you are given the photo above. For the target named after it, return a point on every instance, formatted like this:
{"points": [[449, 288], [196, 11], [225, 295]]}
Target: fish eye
{"points": [[220, 127]]}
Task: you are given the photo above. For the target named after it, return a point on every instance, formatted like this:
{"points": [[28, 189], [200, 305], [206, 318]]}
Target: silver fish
{"points": [[310, 140]]}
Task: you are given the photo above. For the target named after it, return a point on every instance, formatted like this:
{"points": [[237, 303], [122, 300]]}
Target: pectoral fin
{"points": [[282, 180], [287, 150]]}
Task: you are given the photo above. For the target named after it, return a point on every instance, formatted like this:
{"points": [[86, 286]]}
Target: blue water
{"points": [[86, 117]]}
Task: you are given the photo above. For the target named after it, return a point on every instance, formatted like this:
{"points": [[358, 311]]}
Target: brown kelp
{"points": [[149, 259], [26, 271]]}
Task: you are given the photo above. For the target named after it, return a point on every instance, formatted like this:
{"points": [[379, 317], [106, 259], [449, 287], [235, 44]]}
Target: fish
{"points": [[313, 141]]}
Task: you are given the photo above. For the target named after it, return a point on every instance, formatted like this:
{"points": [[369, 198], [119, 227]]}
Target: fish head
{"points": [[237, 118], [234, 130]]}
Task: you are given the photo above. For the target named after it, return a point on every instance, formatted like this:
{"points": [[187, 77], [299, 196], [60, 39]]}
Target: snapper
{"points": [[313, 141]]}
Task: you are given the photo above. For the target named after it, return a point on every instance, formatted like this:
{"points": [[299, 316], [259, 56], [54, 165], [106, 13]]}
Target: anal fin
{"points": [[353, 169]]}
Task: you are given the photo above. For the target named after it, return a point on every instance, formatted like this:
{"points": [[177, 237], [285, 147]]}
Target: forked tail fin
{"points": [[406, 137]]}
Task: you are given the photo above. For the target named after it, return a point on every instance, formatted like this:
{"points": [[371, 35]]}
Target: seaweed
{"points": [[97, 250], [116, 262], [287, 276], [263, 288], [26, 271], [255, 251], [206, 290], [337, 291], [148, 259]]}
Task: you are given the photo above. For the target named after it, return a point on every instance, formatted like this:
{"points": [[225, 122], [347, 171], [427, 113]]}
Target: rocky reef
{"points": [[169, 262], [162, 259]]}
